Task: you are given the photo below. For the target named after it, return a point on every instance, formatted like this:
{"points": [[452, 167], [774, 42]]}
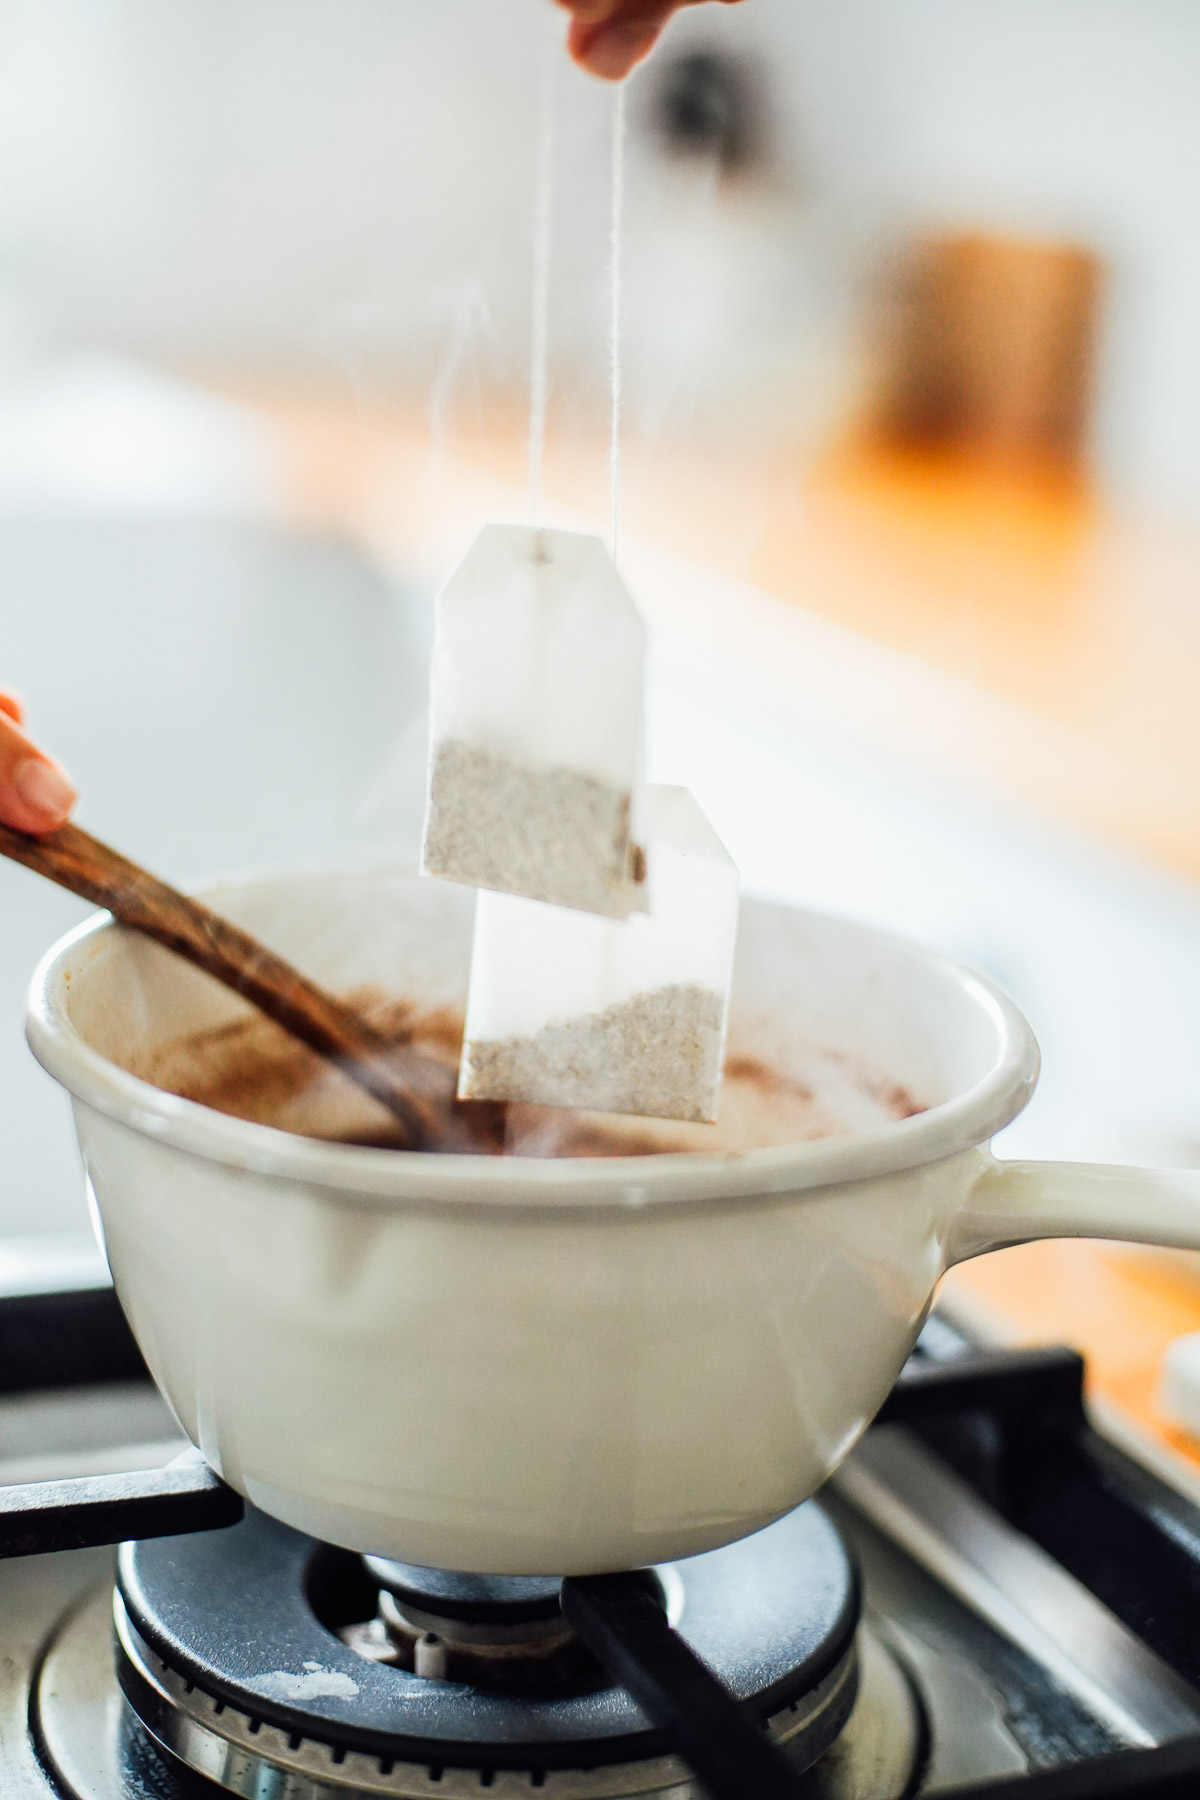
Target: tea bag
{"points": [[536, 723], [566, 1009]]}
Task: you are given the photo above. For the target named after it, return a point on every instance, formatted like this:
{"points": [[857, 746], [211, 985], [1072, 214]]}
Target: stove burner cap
{"points": [[478, 1599]]}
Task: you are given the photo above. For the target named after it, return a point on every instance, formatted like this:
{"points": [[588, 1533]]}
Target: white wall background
{"points": [[342, 187]]}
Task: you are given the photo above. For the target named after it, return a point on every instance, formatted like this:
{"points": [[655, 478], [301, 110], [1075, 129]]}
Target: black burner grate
{"points": [[772, 1618]]}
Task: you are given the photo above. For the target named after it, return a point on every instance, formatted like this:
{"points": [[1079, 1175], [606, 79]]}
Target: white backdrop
{"points": [[342, 186]]}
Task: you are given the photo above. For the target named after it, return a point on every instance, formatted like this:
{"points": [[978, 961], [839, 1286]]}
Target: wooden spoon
{"points": [[326, 1024]]}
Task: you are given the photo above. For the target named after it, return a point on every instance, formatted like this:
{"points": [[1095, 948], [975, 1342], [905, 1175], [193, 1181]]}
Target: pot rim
{"points": [[355, 1174]]}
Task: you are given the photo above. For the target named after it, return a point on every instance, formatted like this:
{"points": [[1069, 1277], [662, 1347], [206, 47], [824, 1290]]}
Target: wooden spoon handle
{"points": [[326, 1024]]}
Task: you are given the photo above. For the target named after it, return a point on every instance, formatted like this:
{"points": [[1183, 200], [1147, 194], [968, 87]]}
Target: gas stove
{"points": [[989, 1599]]}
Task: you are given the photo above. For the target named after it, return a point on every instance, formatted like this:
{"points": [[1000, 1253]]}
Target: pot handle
{"points": [[1012, 1203]]}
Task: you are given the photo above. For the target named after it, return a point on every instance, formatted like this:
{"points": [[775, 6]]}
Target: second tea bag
{"points": [[570, 1010], [536, 723]]}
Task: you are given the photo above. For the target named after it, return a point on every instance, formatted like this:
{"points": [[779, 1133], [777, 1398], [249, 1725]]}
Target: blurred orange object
{"points": [[992, 349], [1121, 1307]]}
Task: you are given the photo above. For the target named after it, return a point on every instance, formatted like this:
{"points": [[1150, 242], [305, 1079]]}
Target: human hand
{"points": [[35, 794], [610, 37]]}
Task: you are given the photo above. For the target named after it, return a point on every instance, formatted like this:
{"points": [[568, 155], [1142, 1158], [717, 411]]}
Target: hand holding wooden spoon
{"points": [[36, 798], [404, 1080]]}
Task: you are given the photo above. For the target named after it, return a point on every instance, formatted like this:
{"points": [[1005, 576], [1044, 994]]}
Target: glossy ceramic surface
{"points": [[523, 1366]]}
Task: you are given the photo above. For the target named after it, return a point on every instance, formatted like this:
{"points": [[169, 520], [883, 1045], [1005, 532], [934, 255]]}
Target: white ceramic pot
{"points": [[557, 1366]]}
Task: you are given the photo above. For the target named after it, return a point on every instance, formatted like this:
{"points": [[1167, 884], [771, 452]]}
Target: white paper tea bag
{"points": [[570, 1010], [536, 723]]}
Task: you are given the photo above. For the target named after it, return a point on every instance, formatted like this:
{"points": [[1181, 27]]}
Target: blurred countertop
{"points": [[1076, 631]]}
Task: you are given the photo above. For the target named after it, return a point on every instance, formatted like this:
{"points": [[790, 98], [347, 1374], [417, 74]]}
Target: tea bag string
{"points": [[539, 335], [543, 234], [614, 318]]}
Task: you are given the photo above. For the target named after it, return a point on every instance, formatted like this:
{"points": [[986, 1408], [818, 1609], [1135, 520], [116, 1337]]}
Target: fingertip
{"points": [[43, 793], [611, 52], [12, 706]]}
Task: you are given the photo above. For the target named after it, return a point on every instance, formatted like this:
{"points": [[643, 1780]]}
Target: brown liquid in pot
{"points": [[250, 1069]]}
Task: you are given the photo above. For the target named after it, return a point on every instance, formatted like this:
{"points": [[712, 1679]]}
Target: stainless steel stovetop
{"points": [[1018, 1614]]}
